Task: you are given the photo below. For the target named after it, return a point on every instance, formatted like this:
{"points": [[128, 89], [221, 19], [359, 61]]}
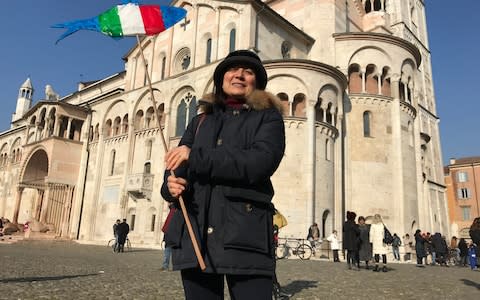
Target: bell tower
{"points": [[24, 100]]}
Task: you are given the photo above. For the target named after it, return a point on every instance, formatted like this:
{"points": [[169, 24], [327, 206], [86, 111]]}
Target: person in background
{"points": [[377, 231], [122, 230], [365, 250], [350, 240], [408, 246], [313, 235], [334, 245], [115, 234], [475, 234], [463, 247], [472, 255], [222, 170], [396, 247], [420, 248]]}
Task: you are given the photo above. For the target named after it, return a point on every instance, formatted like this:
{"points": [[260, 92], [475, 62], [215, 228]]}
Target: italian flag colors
{"points": [[132, 19]]}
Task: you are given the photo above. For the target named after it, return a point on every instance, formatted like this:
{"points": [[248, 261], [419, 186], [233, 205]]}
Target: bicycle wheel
{"points": [[304, 251], [281, 251], [111, 243]]}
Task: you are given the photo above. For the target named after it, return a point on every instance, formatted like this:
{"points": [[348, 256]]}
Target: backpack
{"points": [[387, 236]]}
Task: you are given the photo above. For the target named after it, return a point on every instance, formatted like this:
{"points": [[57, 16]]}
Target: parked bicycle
{"points": [[297, 247], [112, 243]]}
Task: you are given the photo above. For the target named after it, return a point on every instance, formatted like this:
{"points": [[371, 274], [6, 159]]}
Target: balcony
{"points": [[140, 185]]}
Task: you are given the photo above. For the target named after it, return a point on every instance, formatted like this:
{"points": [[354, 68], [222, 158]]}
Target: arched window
{"points": [[324, 222], [329, 113], [367, 116], [108, 128], [112, 162], [285, 104], [401, 87], [368, 6], [371, 80], [147, 168], [96, 133], [149, 119], [208, 53], [125, 124], [138, 120], [298, 106], [354, 79], [116, 126], [186, 110], [233, 36], [377, 5], [161, 112], [318, 112]]}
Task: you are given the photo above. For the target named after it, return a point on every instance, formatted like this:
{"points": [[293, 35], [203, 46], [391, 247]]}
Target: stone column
{"points": [[18, 201], [379, 82], [45, 202], [362, 73], [38, 206], [310, 166], [69, 126], [56, 126]]}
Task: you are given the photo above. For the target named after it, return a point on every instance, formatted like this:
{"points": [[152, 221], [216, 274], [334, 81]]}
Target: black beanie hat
{"points": [[241, 58]]}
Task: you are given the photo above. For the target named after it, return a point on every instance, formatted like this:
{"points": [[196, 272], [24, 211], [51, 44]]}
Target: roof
{"points": [[465, 160], [27, 84]]}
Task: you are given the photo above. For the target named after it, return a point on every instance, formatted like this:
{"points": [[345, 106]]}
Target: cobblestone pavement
{"points": [[67, 270]]}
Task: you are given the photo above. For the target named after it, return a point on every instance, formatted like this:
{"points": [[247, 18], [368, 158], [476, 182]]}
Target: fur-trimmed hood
{"points": [[258, 100]]}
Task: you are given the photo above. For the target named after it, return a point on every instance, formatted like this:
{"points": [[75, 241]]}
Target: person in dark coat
{"points": [[365, 250], [463, 247], [420, 248], [475, 234], [223, 165], [351, 235], [439, 249], [122, 231]]}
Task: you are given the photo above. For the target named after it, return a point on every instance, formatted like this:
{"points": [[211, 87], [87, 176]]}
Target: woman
{"points": [[377, 231], [365, 251], [407, 243], [420, 248], [350, 239], [223, 166]]}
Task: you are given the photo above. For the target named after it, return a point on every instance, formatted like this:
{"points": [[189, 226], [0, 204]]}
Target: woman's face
{"points": [[239, 82]]}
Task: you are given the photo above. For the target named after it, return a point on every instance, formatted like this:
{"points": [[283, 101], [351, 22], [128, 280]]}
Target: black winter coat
{"points": [[233, 155], [351, 236]]}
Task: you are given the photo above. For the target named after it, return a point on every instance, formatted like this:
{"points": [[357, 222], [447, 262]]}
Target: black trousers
{"points": [[206, 286]]}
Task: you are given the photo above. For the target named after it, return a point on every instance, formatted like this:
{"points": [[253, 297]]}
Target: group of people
{"points": [[434, 247], [363, 241], [120, 231]]}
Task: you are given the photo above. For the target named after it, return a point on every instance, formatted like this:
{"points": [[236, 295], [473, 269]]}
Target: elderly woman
{"points": [[222, 167], [377, 231]]}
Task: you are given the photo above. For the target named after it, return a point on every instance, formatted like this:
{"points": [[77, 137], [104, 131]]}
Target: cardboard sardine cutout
{"points": [[128, 19]]}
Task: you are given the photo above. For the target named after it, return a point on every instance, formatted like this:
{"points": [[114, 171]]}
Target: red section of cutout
{"points": [[152, 19]]}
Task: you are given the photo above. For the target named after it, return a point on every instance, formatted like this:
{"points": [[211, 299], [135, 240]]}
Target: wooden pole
{"points": [[193, 238]]}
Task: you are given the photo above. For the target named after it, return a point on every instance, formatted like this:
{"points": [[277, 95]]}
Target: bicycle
{"points": [[298, 247], [127, 246]]}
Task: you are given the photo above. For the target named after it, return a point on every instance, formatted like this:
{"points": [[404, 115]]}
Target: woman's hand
{"points": [[176, 185], [175, 157]]}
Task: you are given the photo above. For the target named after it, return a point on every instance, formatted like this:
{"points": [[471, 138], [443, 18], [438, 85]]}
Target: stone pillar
{"points": [[69, 126], [379, 82], [310, 162], [18, 201], [45, 202], [362, 73], [38, 205], [56, 126]]}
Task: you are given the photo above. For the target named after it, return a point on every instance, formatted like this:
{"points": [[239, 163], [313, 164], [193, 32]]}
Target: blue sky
{"points": [[28, 49]]}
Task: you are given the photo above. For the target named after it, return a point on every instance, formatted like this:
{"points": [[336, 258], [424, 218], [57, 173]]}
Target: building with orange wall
{"points": [[462, 177]]}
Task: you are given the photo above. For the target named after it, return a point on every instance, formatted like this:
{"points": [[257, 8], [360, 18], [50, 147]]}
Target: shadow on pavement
{"points": [[471, 283], [297, 286], [45, 278]]}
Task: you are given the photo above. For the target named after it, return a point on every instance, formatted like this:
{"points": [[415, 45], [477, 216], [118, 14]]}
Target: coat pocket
{"points": [[173, 236], [246, 226]]}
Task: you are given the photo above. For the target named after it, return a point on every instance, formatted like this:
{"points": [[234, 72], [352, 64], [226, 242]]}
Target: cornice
{"points": [[308, 65], [384, 38]]}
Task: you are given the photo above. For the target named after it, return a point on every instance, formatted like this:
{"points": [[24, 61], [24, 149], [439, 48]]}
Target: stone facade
{"points": [[361, 124]]}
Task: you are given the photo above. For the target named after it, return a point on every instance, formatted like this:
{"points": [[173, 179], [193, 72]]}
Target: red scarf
{"points": [[234, 103]]}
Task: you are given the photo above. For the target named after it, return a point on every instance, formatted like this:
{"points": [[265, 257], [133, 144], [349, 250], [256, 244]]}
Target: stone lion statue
{"points": [[50, 94]]}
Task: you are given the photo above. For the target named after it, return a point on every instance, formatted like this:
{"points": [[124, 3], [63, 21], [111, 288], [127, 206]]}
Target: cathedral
{"points": [[354, 77]]}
